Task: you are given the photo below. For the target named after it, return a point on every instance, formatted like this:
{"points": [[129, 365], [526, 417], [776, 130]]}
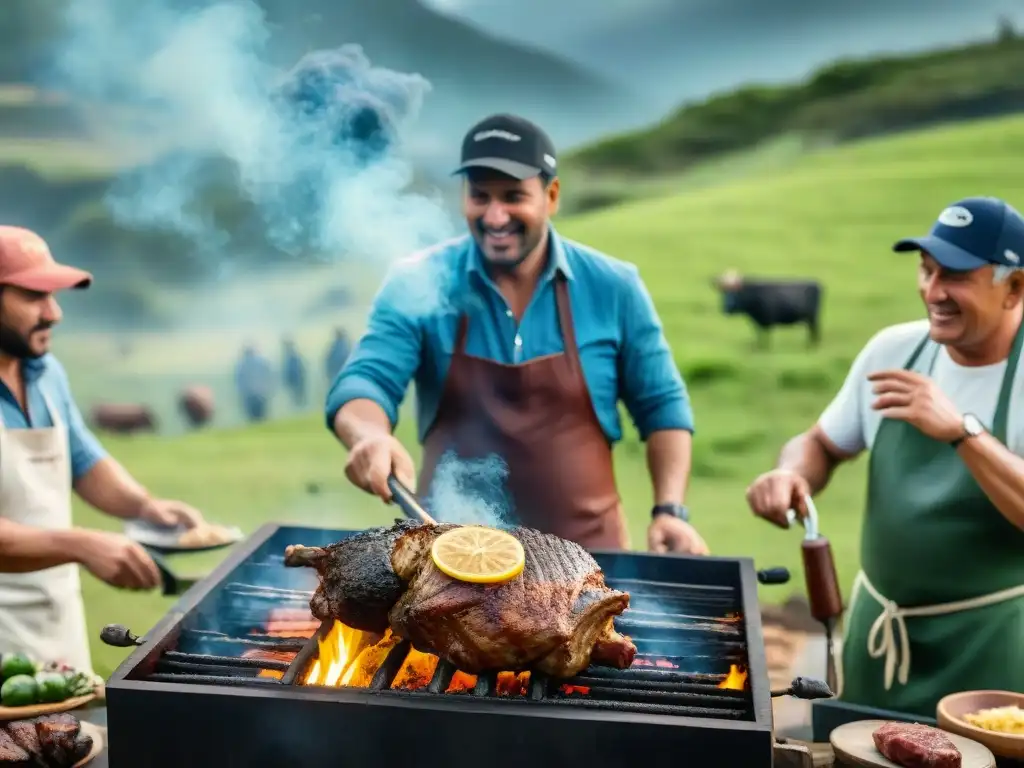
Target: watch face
{"points": [[972, 426]]}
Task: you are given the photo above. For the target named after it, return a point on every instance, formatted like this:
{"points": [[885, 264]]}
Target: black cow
{"points": [[773, 302]]}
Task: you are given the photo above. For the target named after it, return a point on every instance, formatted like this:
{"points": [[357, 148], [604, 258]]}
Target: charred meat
{"points": [[358, 586], [555, 617], [50, 741]]}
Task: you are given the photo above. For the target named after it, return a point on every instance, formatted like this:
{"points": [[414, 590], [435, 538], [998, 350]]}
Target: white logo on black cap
{"points": [[956, 216], [1011, 257], [549, 160], [496, 133]]}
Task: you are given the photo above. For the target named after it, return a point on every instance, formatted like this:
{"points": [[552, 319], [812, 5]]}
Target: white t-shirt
{"points": [[851, 423]]}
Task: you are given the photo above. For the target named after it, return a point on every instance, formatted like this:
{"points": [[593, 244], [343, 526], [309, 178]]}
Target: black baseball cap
{"points": [[973, 233], [508, 144]]}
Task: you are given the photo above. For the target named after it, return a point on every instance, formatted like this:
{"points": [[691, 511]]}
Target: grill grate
{"points": [[265, 630], [687, 638]]}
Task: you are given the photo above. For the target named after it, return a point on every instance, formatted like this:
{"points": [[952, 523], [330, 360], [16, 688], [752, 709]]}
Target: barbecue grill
{"points": [[236, 675]]}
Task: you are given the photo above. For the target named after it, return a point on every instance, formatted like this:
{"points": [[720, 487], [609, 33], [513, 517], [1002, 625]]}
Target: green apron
{"points": [[932, 537]]}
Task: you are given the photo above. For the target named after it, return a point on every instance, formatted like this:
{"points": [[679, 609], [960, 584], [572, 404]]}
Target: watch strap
{"points": [[676, 510]]}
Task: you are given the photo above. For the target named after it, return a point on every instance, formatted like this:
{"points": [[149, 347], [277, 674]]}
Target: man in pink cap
{"points": [[46, 450]]}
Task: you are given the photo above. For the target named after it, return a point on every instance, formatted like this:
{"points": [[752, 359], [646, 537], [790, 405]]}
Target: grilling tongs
{"points": [[407, 501], [822, 582]]}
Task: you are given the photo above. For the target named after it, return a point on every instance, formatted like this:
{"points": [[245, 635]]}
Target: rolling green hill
{"points": [[833, 216], [845, 101]]}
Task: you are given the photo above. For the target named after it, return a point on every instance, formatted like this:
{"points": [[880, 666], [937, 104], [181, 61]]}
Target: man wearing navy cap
{"points": [[525, 358], [939, 604]]}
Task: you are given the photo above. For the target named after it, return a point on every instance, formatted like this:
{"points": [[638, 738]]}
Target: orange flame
{"points": [[736, 680]]}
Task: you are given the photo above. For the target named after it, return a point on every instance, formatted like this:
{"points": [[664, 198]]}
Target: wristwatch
{"points": [[676, 510], [972, 428]]}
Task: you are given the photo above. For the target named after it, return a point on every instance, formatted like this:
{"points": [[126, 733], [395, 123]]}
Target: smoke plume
{"points": [[314, 152], [471, 492]]}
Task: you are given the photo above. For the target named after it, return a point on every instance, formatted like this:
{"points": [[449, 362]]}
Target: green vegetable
{"points": [[19, 691], [53, 687], [80, 684], [17, 664]]}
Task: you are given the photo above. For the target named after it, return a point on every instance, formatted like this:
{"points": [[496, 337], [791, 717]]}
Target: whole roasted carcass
{"points": [[555, 617]]}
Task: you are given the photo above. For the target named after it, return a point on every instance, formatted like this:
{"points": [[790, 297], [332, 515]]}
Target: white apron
{"points": [[41, 613]]}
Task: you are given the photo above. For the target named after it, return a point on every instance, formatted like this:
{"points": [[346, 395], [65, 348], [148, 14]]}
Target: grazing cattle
{"points": [[124, 418], [196, 404], [773, 302]]}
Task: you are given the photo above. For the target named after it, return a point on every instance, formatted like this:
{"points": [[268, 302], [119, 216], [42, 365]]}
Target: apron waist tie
{"points": [[882, 637]]}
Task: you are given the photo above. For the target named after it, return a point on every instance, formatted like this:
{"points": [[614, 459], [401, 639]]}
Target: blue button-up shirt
{"points": [[47, 374], [413, 324]]}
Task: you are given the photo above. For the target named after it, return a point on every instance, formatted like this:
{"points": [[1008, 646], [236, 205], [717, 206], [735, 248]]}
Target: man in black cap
{"points": [[548, 336], [938, 403]]}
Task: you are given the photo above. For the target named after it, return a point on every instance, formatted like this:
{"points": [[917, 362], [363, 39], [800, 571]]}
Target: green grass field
{"points": [[832, 215]]}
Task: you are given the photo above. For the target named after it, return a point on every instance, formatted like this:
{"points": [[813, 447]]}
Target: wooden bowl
{"points": [[35, 710], [952, 708]]}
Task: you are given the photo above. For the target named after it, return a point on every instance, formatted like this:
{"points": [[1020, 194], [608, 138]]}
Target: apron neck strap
{"points": [[55, 418], [999, 422], [909, 365]]}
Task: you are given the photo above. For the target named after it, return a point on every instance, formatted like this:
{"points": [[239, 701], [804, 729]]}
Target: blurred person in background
{"points": [[337, 354], [549, 336], [46, 450], [293, 373], [939, 604], [254, 381]]}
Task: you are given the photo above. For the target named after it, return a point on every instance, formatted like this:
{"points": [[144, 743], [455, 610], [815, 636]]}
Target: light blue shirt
{"points": [[413, 325], [47, 374]]}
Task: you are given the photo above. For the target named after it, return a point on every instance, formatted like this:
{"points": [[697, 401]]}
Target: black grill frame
{"points": [[225, 717]]}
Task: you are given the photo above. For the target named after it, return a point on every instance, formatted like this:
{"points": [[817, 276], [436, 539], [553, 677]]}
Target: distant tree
{"points": [[1007, 33]]}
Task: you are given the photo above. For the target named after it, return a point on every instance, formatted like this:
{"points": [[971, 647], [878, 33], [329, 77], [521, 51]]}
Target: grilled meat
{"points": [[61, 739], [913, 745], [357, 586], [555, 617], [50, 741], [11, 755], [24, 734]]}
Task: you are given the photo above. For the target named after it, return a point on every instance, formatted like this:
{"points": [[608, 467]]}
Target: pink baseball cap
{"points": [[26, 262]]}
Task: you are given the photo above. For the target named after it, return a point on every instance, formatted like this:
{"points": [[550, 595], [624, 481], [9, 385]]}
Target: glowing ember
{"points": [[736, 679], [265, 655], [511, 684], [290, 622], [568, 690], [460, 683], [660, 663], [416, 671]]}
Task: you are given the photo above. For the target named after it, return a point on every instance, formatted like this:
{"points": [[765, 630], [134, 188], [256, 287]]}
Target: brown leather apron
{"points": [[538, 417]]}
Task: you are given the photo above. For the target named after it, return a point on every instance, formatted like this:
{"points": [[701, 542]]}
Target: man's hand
{"points": [[774, 493], [915, 399], [117, 560], [668, 533], [170, 514], [372, 459]]}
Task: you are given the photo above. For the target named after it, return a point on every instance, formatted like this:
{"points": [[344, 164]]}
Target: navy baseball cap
{"points": [[973, 233], [508, 144]]}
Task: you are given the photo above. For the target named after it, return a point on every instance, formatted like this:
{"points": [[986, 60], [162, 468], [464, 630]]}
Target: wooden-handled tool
{"points": [[822, 582]]}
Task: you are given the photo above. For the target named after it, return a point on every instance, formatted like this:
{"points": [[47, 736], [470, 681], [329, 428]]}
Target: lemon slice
{"points": [[478, 555]]}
